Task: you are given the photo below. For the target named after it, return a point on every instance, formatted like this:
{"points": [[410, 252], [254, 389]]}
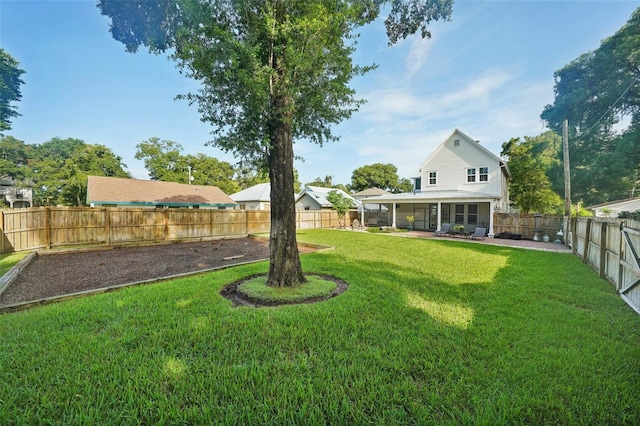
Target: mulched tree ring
{"points": [[238, 299]]}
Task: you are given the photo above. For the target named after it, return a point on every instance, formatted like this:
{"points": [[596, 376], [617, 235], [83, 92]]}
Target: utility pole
{"points": [[189, 167], [567, 181]]}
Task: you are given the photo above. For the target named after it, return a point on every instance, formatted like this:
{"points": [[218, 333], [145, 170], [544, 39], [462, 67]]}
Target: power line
{"points": [[614, 104]]}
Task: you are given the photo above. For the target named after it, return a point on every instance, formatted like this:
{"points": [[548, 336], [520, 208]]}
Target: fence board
{"points": [[47, 227]]}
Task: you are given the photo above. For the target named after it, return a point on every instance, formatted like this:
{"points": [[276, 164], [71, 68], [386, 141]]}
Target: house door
{"points": [[421, 223], [433, 217]]}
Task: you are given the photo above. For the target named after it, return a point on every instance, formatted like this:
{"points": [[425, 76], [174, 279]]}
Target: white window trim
{"points": [[476, 175], [480, 174], [429, 178], [466, 175]]}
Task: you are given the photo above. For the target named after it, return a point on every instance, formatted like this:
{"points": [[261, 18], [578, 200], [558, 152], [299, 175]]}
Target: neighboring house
{"points": [[371, 192], [257, 197], [315, 198], [15, 197], [374, 213], [461, 183], [614, 208], [118, 192]]}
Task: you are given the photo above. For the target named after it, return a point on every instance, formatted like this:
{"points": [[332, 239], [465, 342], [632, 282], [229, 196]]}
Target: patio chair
{"points": [[444, 230], [479, 233]]}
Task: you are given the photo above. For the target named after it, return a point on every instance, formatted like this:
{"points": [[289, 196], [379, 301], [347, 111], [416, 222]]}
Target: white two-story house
{"points": [[461, 183]]}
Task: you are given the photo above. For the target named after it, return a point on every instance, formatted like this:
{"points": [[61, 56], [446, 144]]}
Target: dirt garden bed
{"points": [[59, 274]]}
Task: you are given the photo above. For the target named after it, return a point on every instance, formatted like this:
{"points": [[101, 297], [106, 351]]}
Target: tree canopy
{"points": [[594, 93], [57, 170], [529, 186], [10, 82], [164, 161], [271, 71], [340, 204], [378, 175]]}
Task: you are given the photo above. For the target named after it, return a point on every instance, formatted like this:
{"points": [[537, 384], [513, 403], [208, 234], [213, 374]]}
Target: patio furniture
{"points": [[479, 233], [444, 230]]}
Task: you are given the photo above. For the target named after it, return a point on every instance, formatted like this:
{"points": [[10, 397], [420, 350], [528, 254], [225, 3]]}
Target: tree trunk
{"points": [[285, 269]]}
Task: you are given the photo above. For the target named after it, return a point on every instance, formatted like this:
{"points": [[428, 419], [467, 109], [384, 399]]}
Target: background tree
{"points": [[529, 186], [13, 158], [378, 175], [271, 71], [10, 83], [593, 93], [164, 161], [327, 182], [57, 170], [340, 204]]}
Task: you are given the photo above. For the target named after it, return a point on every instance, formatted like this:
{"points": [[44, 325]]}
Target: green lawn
{"points": [[429, 332], [8, 261]]}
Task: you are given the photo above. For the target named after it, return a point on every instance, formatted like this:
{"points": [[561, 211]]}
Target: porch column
{"points": [[490, 234], [393, 221], [439, 224]]}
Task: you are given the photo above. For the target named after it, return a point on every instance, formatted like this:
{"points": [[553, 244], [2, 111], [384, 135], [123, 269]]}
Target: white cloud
{"points": [[418, 54]]}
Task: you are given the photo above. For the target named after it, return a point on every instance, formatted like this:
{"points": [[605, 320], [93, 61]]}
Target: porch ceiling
{"points": [[435, 196]]}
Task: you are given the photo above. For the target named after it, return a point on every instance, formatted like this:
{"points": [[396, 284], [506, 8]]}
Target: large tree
{"points": [[10, 82], [271, 71], [57, 170], [594, 93], [90, 160], [378, 175], [164, 161], [529, 185]]}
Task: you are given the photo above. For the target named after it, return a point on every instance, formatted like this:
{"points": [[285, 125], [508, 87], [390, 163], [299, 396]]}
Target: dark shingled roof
{"points": [[110, 190]]}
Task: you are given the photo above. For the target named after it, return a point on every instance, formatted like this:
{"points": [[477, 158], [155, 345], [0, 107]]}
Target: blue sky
{"points": [[488, 72]]}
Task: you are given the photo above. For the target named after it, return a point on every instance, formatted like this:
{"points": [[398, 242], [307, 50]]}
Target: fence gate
{"points": [[629, 273]]}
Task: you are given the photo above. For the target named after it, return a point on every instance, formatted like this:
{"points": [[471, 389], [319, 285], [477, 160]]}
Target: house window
{"points": [[471, 175], [472, 214], [418, 183], [459, 213], [484, 174], [456, 142], [433, 178]]}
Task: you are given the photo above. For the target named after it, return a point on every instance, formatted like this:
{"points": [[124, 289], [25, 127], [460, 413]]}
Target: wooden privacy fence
{"points": [[50, 227], [611, 247], [525, 224]]}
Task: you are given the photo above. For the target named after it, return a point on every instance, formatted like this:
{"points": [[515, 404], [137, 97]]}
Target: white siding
{"points": [[451, 162]]}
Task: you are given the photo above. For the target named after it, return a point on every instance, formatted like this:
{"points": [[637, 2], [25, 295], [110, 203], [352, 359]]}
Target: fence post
{"points": [[47, 226], [587, 240], [166, 223], [107, 226], [574, 235], [603, 249], [621, 258], [2, 236]]}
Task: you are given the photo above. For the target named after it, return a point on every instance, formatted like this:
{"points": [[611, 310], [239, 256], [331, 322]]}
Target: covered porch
{"points": [[430, 210]]}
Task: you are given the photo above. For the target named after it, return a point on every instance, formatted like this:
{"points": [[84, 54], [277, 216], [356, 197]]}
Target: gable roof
{"points": [[370, 192], [470, 142], [628, 204], [320, 195], [259, 192], [110, 190]]}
